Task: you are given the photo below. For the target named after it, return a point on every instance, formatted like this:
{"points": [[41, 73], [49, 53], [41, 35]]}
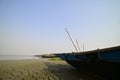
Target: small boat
{"points": [[103, 62], [46, 56]]}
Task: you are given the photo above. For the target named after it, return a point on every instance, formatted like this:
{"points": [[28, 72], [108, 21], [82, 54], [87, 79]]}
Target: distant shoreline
{"points": [[17, 57]]}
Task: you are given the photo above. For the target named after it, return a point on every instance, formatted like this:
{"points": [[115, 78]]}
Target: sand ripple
{"points": [[40, 70], [25, 70]]}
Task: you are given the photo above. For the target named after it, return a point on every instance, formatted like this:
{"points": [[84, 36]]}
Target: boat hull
{"points": [[108, 70]]}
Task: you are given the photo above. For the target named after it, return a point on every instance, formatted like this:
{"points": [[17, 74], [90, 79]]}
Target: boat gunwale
{"points": [[100, 50]]}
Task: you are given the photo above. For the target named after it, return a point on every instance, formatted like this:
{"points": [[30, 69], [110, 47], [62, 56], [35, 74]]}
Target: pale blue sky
{"points": [[37, 26]]}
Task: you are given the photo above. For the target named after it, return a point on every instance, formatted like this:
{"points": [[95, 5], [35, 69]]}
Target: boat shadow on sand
{"points": [[64, 71]]}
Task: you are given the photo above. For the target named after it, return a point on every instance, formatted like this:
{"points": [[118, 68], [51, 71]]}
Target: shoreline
{"points": [[35, 69]]}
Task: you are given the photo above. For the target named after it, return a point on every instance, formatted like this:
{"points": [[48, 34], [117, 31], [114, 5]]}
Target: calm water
{"points": [[16, 57]]}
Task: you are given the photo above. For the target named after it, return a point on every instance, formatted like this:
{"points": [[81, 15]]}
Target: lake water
{"points": [[17, 57]]}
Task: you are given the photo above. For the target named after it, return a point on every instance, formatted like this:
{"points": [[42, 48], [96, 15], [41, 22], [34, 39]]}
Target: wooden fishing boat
{"points": [[104, 62]]}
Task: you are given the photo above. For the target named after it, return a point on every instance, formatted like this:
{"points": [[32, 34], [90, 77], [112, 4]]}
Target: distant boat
{"points": [[104, 62], [48, 56]]}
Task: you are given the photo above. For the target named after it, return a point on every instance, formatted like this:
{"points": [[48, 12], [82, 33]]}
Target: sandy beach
{"points": [[40, 70]]}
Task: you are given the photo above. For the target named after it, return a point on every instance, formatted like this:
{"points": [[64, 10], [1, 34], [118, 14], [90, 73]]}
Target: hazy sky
{"points": [[37, 26]]}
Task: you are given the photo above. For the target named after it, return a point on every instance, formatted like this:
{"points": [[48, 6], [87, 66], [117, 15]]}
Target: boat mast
{"points": [[83, 47], [71, 40], [78, 45]]}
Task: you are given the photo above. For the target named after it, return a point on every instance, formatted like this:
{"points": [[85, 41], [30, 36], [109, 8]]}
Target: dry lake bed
{"points": [[41, 70]]}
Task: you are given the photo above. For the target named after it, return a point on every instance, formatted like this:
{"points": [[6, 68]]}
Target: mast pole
{"points": [[83, 47], [71, 40], [78, 45]]}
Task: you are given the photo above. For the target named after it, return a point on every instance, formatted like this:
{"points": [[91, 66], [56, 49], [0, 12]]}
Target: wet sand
{"points": [[40, 70]]}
